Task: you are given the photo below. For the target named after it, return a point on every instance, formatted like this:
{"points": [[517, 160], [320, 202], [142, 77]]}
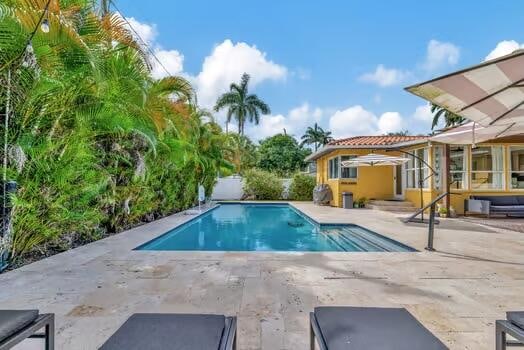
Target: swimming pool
{"points": [[268, 227]]}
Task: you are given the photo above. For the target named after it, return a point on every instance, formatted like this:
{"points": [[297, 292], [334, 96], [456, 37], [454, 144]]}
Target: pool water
{"points": [[268, 227]]}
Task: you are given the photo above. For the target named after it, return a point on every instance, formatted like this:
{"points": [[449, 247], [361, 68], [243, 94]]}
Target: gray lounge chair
{"points": [[514, 326], [174, 332], [337, 328], [18, 325]]}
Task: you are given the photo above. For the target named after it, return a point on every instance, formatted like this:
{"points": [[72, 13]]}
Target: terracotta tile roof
{"points": [[374, 140]]}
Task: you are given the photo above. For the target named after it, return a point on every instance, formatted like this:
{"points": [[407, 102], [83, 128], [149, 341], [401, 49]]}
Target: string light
{"points": [[45, 26]]}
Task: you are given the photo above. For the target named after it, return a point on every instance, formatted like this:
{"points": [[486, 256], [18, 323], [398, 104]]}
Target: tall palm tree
{"points": [[241, 105], [316, 136], [450, 119]]}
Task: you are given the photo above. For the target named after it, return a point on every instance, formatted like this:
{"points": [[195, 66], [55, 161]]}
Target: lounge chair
{"points": [[18, 325], [175, 332], [337, 328], [514, 326]]}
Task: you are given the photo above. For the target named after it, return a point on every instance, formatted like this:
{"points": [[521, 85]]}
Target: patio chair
{"points": [[175, 332], [337, 328], [514, 326], [18, 325]]}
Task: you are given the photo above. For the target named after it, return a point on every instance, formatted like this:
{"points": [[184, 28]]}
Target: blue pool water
{"points": [[268, 227]]}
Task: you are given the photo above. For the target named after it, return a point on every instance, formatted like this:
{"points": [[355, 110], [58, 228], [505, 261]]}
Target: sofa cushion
{"points": [[516, 317], [507, 208], [499, 200], [12, 321]]}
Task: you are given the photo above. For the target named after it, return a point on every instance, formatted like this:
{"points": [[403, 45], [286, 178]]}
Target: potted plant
{"points": [[443, 212]]}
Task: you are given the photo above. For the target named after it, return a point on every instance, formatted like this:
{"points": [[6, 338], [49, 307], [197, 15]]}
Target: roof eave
{"points": [[329, 148]]}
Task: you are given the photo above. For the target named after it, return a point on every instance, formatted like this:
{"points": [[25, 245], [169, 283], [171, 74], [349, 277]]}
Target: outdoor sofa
{"points": [[342, 328], [512, 325], [495, 205], [174, 332], [18, 325]]}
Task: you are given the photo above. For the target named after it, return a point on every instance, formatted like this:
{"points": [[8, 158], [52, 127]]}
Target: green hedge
{"points": [[262, 185], [301, 188]]}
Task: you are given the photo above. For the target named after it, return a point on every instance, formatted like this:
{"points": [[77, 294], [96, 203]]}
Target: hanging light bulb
{"points": [[29, 48], [45, 25]]}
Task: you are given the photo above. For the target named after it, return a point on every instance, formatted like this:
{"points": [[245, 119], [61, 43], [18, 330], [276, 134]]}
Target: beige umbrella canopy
{"points": [[373, 159], [490, 94], [470, 133]]}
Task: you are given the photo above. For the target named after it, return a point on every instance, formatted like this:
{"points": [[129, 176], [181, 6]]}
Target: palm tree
{"points": [[399, 133], [450, 119], [241, 105], [316, 136]]}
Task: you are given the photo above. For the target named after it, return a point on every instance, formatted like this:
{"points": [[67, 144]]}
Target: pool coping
{"points": [[216, 205]]}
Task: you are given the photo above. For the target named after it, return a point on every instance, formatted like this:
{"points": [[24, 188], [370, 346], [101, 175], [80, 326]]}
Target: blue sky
{"points": [[342, 64]]}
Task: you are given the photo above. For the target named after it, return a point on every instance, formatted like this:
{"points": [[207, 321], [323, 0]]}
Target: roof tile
{"points": [[374, 140]]}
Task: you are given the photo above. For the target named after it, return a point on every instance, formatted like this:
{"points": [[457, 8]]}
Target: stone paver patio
{"points": [[457, 292]]}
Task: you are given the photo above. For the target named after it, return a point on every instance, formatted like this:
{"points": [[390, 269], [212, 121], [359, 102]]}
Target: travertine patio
{"points": [[458, 292]]}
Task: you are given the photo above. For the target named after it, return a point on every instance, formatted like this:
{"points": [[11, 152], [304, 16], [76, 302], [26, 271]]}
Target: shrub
{"points": [[261, 184], [301, 188]]}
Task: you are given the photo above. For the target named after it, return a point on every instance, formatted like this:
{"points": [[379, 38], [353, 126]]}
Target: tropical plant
{"points": [[450, 119], [242, 153], [316, 136], [96, 144], [301, 188], [282, 154], [241, 105], [262, 185]]}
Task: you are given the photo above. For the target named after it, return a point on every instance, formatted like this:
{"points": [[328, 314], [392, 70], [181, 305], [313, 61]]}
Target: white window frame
{"points": [[329, 168], [353, 167], [416, 167], [510, 169], [501, 172], [339, 170], [466, 175]]}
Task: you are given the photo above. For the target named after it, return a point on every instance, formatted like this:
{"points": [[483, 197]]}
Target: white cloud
{"points": [[423, 113], [295, 122], [146, 32], [357, 121], [226, 64], [172, 61], [503, 48], [383, 76], [390, 122], [441, 54]]}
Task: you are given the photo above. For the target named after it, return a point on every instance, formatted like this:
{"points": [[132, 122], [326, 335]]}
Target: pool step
{"points": [[355, 238], [393, 206]]}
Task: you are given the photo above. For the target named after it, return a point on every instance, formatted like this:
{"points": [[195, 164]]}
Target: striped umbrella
{"points": [[470, 133], [373, 159], [491, 93]]}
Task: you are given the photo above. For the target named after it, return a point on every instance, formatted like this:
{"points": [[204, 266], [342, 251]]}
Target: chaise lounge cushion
{"points": [[12, 321], [516, 317], [373, 328], [168, 331]]}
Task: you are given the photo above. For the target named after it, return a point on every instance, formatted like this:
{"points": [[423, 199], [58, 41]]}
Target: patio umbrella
{"points": [[373, 159], [491, 93], [470, 133]]}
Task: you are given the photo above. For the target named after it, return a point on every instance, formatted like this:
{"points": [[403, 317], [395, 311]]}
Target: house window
{"points": [[457, 167], [415, 168], [347, 172], [333, 168], [487, 168], [517, 167]]}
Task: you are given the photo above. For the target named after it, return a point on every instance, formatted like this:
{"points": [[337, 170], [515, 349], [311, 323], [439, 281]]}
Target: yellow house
{"points": [[491, 168]]}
